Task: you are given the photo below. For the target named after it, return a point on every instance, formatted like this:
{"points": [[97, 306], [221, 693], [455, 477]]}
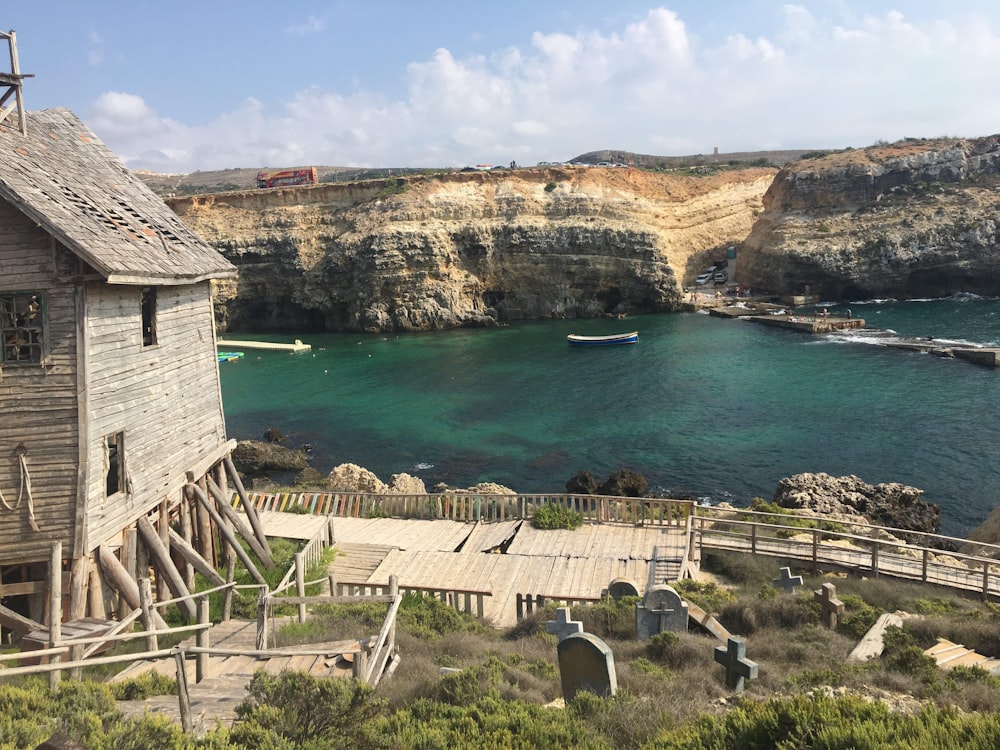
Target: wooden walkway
{"points": [[224, 687], [558, 564]]}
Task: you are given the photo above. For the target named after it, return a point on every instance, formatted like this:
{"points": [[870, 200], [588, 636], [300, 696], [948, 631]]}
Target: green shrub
{"points": [[708, 595], [144, 686], [550, 187], [303, 709], [858, 618], [609, 618], [556, 516]]}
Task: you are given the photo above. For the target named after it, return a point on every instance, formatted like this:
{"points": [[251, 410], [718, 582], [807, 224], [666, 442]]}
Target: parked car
{"points": [[720, 277], [703, 279]]}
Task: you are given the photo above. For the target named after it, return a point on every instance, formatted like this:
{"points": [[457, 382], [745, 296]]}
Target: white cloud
{"points": [[311, 25], [651, 87]]}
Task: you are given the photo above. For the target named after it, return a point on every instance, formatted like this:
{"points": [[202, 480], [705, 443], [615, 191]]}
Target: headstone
{"points": [[619, 588], [833, 608], [586, 663], [661, 609], [786, 581], [733, 656], [563, 625]]}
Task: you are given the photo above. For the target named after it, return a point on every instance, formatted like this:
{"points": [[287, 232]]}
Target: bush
{"points": [[302, 709], [550, 187], [144, 686], [556, 516], [708, 595]]}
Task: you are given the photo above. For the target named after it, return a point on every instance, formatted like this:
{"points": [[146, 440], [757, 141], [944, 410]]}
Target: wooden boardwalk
{"points": [[224, 687], [506, 558]]}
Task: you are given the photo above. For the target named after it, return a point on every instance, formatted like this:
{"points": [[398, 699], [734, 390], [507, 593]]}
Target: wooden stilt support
{"points": [[248, 507], [165, 568], [146, 604], [205, 503], [55, 607], [162, 527], [119, 579], [79, 577], [227, 598], [18, 623], [194, 560], [183, 696], [263, 551], [185, 515], [95, 594], [206, 544]]}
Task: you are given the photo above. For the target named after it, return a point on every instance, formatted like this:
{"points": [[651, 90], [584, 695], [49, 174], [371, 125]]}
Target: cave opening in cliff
{"points": [[611, 299]]}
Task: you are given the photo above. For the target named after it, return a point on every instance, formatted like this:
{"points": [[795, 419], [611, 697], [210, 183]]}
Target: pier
{"points": [[778, 316], [298, 346]]}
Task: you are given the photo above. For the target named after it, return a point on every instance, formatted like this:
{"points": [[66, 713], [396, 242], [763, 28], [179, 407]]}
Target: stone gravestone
{"points": [[661, 609], [586, 663], [621, 587], [563, 626], [786, 581], [733, 656], [833, 608]]}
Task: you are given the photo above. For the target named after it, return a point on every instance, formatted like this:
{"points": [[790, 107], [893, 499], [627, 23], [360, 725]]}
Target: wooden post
{"points": [[118, 578], [248, 507], [262, 605], [201, 661], [78, 579], [165, 567], [300, 582], [262, 551], [875, 548], [206, 543], [76, 654], [923, 566], [146, 605], [986, 580], [206, 504], [130, 562], [227, 597], [183, 696], [185, 515], [163, 528], [95, 595], [55, 607], [194, 561], [815, 551]]}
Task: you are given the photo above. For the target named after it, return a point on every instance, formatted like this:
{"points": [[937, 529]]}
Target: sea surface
{"points": [[719, 409]]}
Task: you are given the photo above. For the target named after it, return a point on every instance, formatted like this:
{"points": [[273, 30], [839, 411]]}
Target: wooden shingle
{"points": [[66, 180]]}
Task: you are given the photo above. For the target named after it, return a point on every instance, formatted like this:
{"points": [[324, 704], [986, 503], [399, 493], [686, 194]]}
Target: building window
{"points": [[22, 327], [115, 447], [148, 315]]}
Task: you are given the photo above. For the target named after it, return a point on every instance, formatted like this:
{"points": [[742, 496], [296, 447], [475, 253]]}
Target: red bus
{"points": [[282, 177]]}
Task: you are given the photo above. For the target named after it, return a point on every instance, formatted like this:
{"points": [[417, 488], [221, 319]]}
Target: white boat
{"points": [[615, 338]]}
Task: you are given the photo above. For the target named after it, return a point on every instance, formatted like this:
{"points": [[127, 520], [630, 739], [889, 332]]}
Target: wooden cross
{"points": [[833, 608], [563, 625], [662, 615], [733, 656], [786, 581]]}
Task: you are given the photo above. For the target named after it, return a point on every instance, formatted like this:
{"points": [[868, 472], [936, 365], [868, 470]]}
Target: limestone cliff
{"points": [[919, 218], [471, 248]]}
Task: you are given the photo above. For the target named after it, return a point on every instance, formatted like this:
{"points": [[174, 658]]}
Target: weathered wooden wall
{"points": [[38, 403], [165, 398]]}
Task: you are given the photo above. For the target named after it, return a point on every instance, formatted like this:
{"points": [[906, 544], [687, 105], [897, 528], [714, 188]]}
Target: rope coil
{"points": [[24, 491]]}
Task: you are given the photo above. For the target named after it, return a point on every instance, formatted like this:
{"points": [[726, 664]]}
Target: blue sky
{"points": [[213, 84]]}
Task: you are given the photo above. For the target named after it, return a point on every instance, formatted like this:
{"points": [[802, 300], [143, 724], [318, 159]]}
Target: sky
{"points": [[191, 85]]}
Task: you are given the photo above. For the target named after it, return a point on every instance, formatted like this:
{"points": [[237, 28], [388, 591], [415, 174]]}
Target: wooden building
{"points": [[110, 401]]}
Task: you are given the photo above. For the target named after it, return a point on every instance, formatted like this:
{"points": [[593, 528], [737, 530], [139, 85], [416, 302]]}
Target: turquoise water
{"points": [[721, 409]]}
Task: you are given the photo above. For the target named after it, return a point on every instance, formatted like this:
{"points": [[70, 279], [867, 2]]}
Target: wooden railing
{"points": [[466, 601], [475, 507], [877, 550]]}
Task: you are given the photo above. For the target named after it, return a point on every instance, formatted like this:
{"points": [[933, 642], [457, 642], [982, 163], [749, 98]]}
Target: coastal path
{"points": [[856, 547]]}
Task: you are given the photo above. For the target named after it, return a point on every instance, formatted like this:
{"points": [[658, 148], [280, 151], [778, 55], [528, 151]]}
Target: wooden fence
{"points": [[877, 550], [466, 601], [473, 507]]}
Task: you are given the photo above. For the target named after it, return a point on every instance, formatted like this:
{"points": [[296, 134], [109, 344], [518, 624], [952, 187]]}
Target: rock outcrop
{"points": [[891, 504], [918, 218], [255, 457], [470, 249]]}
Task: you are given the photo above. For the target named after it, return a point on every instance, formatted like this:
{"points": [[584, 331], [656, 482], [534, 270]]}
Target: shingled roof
{"points": [[65, 179]]}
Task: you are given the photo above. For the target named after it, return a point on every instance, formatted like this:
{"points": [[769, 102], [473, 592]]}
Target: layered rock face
{"points": [[918, 218], [470, 249]]}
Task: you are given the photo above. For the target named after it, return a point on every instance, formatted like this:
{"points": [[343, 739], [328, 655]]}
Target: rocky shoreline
{"points": [[846, 498]]}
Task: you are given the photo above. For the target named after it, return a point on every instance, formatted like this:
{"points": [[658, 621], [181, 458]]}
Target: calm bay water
{"points": [[716, 408]]}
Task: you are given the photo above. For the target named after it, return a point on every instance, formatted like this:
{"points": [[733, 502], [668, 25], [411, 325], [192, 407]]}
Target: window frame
{"points": [[13, 333], [114, 456], [147, 314]]}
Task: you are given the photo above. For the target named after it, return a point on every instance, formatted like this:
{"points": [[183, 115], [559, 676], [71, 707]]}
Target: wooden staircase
{"points": [[949, 655]]}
